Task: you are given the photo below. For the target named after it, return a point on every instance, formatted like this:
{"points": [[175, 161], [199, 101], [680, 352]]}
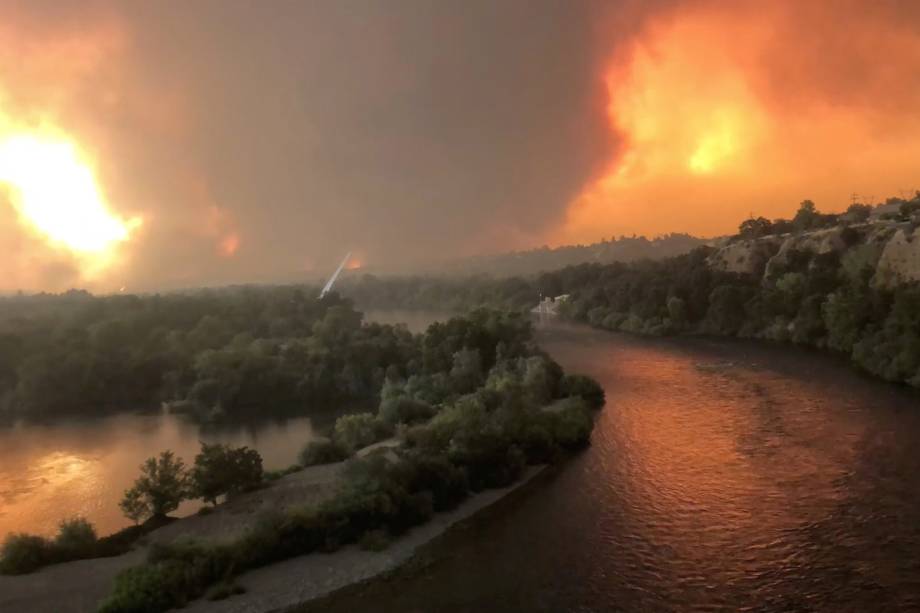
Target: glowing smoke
{"points": [[724, 109]]}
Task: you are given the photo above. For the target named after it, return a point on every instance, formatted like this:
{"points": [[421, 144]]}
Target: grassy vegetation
{"points": [[76, 540]]}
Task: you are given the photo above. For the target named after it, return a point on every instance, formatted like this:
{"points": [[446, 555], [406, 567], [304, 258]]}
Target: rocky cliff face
{"points": [[891, 249], [899, 261], [748, 257]]}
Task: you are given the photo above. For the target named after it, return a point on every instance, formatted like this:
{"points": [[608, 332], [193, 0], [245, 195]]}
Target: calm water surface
{"points": [[723, 476], [52, 471], [49, 472]]}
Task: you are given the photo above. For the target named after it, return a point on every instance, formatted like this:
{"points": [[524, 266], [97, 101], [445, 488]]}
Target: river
{"points": [[722, 476], [69, 467], [49, 472]]}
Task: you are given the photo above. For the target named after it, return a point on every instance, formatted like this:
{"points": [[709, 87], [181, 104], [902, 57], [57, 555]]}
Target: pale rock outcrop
{"points": [[819, 241], [900, 259], [744, 256]]}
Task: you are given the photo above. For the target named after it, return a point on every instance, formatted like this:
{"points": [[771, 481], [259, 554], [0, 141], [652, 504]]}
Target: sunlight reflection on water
{"points": [[49, 472]]}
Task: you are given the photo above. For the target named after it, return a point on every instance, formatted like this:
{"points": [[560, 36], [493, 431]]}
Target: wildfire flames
{"points": [[54, 192], [723, 110]]}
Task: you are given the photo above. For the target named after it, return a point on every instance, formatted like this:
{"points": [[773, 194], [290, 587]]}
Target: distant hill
{"points": [[622, 249]]}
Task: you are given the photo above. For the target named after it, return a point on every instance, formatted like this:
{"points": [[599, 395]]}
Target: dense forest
{"points": [[467, 407], [234, 352], [828, 298]]}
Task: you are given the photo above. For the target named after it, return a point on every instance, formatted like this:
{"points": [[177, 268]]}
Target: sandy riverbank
{"points": [[78, 587]]}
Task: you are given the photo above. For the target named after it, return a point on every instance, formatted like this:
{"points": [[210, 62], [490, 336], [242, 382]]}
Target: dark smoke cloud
{"points": [[407, 131], [261, 140]]}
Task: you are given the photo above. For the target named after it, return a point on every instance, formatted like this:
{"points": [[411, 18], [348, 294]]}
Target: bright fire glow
{"points": [[721, 111], [54, 193]]}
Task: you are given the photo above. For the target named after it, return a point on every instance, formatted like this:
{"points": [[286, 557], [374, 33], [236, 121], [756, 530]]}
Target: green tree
{"points": [[677, 313], [356, 431], [221, 470], [134, 505], [163, 484], [806, 217], [755, 228], [466, 372], [858, 212]]}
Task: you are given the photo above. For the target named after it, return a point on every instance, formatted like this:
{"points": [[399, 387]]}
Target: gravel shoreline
{"points": [[79, 586], [286, 586]]}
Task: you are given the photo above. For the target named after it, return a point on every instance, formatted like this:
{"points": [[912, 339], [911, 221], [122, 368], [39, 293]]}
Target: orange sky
{"points": [[265, 144], [725, 109]]}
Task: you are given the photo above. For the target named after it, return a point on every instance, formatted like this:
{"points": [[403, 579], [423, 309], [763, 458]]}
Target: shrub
{"points": [[447, 483], [570, 423], [404, 409], [153, 588], [536, 440], [323, 452], [584, 387], [221, 470], [356, 431], [488, 457], [76, 538], [23, 553]]}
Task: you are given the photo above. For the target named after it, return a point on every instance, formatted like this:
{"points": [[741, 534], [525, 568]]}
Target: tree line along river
{"points": [[722, 475]]}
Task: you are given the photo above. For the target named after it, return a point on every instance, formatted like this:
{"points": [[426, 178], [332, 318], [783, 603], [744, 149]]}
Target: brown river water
{"points": [[722, 476]]}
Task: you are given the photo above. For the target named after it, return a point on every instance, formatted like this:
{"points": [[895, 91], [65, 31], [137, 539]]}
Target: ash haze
{"points": [[238, 141]]}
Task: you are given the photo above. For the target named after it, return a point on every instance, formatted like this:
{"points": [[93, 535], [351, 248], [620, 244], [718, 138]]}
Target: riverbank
{"points": [[79, 586], [291, 584]]}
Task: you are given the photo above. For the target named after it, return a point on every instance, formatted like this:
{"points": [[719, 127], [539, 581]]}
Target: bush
{"points": [[537, 442], [584, 387], [447, 483], [356, 431], [570, 423], [155, 587], [488, 457], [76, 538], [221, 470], [404, 409], [323, 452], [23, 553]]}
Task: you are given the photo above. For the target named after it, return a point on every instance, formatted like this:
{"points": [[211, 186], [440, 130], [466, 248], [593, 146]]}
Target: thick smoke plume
{"points": [[261, 144], [725, 109]]}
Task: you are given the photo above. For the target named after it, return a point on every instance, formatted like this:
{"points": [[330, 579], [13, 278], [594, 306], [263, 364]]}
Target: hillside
{"points": [[622, 249], [847, 283]]}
